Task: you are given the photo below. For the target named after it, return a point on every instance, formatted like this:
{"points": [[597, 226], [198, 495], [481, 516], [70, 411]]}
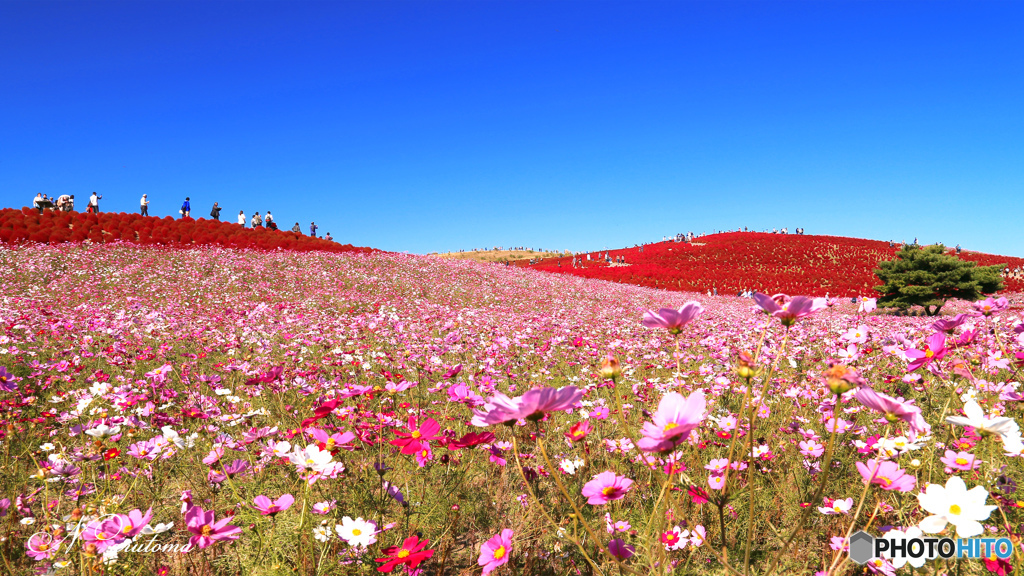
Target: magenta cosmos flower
{"points": [[886, 474], [789, 310], [672, 423], [271, 507], [605, 487], [935, 349], [530, 406], [495, 551], [414, 441], [895, 410], [206, 530], [988, 306], [671, 319], [949, 324]]}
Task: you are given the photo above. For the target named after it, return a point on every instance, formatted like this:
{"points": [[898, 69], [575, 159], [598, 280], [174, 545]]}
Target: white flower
{"points": [[909, 534], [171, 436], [46, 447], [976, 418], [103, 431], [312, 458], [841, 506], [571, 466], [357, 532], [222, 391], [322, 533], [955, 505], [28, 521]]}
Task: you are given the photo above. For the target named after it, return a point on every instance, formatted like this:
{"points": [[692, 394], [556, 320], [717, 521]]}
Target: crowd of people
{"points": [[66, 203]]}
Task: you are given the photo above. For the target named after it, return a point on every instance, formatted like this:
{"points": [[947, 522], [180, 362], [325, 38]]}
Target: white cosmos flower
{"points": [[322, 533], [357, 532], [149, 530], [103, 431], [1005, 428], [312, 458], [955, 505]]}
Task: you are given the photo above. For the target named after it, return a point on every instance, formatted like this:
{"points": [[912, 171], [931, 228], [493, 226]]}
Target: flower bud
{"points": [[745, 365], [610, 368]]}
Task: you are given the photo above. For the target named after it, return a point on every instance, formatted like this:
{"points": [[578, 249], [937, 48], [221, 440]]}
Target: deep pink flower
{"points": [[133, 522], [271, 507], [206, 530], [410, 553], [949, 324], [886, 474], [620, 549], [671, 319], [605, 487], [412, 442], [935, 349], [788, 310], [495, 551], [672, 423]]}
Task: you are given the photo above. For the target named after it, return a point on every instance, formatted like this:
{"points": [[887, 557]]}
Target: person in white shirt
{"points": [[94, 203], [268, 220], [257, 221], [241, 218], [38, 201], [144, 206]]}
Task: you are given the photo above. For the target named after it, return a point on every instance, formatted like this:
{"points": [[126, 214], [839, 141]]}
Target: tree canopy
{"points": [[928, 277]]}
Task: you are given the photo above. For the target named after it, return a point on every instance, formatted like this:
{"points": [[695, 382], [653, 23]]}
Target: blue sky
{"points": [[432, 126]]}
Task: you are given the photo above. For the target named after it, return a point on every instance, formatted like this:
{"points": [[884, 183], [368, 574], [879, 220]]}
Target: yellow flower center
{"points": [[884, 480], [416, 434], [954, 510], [670, 426], [961, 461], [206, 530], [127, 528], [403, 553], [928, 353], [356, 531], [499, 553], [608, 491]]}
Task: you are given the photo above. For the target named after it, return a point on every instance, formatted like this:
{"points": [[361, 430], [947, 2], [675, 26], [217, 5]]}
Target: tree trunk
{"points": [[928, 310]]}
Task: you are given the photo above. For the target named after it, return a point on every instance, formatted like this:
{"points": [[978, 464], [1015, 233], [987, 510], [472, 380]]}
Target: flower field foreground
{"points": [[27, 225], [740, 261], [214, 411]]}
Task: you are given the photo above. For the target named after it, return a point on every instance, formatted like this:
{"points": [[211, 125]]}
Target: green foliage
{"points": [[928, 277]]}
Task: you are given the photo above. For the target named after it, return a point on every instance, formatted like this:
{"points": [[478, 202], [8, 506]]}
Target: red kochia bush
{"points": [[770, 263], [27, 225]]}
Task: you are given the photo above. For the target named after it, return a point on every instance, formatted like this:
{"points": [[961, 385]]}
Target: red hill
{"points": [[770, 263], [27, 225]]}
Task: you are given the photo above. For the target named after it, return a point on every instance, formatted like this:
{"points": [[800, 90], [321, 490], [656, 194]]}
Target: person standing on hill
{"points": [[94, 203], [268, 219], [144, 206], [38, 202], [257, 221], [186, 208], [297, 229], [328, 237], [312, 229], [215, 211]]}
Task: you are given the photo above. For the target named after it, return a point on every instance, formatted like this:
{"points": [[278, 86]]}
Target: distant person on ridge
{"points": [[94, 203], [269, 220], [186, 208], [144, 206], [241, 218], [297, 229], [312, 229], [64, 203], [257, 221], [328, 237], [38, 202], [215, 211]]}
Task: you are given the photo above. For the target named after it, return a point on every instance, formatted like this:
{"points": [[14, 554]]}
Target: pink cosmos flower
{"points": [[495, 551], [671, 319], [672, 423], [7, 380], [867, 305], [716, 482], [886, 474], [960, 461], [133, 522], [895, 410], [271, 507], [413, 442], [605, 487], [935, 349], [788, 310], [988, 306], [206, 530], [530, 406]]}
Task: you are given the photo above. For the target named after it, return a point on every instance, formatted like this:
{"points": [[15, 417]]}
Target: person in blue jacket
{"points": [[312, 229], [185, 208]]}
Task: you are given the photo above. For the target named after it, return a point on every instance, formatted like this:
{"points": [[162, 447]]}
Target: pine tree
{"points": [[928, 277]]}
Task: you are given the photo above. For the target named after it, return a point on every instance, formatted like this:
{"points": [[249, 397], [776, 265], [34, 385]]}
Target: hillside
{"points": [[27, 225], [496, 255], [736, 261]]}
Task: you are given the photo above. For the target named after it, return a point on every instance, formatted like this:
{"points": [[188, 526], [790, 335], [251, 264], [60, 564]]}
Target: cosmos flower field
{"points": [[218, 411]]}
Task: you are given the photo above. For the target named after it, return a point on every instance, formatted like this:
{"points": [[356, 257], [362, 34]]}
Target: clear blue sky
{"points": [[425, 126]]}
